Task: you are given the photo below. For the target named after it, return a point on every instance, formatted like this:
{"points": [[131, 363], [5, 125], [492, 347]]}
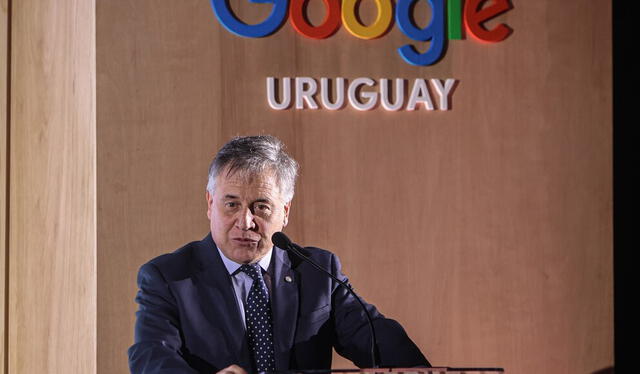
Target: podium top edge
{"points": [[427, 370]]}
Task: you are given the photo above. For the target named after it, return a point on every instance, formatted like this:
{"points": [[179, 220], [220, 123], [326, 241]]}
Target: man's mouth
{"points": [[246, 240]]}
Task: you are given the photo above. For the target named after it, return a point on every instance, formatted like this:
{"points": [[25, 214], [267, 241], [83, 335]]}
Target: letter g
{"points": [[234, 25], [433, 32]]}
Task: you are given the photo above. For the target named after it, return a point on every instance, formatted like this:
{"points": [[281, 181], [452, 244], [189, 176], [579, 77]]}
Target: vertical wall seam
{"points": [[7, 191], [95, 181]]}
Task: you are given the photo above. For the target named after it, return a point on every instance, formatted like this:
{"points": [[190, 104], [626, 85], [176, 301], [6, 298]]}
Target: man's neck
{"points": [[233, 266]]}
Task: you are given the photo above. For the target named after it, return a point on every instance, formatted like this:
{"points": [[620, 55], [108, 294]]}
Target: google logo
{"points": [[445, 23]]}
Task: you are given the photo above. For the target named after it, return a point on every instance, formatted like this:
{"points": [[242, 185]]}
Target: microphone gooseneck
{"points": [[282, 241]]}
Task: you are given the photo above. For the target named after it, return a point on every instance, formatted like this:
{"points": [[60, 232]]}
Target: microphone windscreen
{"points": [[281, 241]]}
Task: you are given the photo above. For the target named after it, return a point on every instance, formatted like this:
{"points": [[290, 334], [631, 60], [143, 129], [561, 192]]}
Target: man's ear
{"points": [[209, 198], [287, 207]]}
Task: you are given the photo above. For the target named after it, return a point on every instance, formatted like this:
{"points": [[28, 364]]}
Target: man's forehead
{"points": [[265, 181]]}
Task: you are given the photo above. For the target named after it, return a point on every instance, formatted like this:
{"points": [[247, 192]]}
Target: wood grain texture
{"points": [[486, 230], [52, 269], [4, 54]]}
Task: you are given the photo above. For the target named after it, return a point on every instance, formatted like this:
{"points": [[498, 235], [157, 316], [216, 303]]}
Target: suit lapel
{"points": [[285, 307], [220, 297]]}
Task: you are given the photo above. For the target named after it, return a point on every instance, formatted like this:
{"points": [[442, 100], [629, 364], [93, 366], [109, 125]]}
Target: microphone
{"points": [[282, 241]]}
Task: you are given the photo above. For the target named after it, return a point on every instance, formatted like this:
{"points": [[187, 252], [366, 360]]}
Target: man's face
{"points": [[244, 212]]}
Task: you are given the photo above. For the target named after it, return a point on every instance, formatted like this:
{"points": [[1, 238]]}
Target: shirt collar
{"points": [[233, 266]]}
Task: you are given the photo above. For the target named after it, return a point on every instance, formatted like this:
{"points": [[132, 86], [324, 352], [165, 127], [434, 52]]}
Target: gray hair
{"points": [[254, 155]]}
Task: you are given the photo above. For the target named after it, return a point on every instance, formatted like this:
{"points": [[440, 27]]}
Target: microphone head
{"points": [[281, 241]]}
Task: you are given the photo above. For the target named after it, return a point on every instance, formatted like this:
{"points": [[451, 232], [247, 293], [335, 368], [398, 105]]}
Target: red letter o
{"points": [[329, 26]]}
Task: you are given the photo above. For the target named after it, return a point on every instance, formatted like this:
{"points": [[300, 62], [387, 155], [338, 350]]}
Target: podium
{"points": [[432, 370]]}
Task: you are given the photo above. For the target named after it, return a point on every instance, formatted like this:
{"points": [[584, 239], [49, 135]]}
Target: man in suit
{"points": [[235, 303]]}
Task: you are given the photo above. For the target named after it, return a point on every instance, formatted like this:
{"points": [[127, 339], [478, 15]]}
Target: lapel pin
{"points": [[288, 279]]}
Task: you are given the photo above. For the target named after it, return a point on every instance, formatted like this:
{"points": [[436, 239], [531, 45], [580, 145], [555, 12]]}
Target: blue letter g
{"points": [[231, 23], [434, 32]]}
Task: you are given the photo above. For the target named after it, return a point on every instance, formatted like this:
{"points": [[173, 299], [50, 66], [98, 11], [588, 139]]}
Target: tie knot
{"points": [[252, 270]]}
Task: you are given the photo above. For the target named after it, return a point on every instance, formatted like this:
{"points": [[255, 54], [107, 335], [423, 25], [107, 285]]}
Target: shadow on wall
{"points": [[608, 370]]}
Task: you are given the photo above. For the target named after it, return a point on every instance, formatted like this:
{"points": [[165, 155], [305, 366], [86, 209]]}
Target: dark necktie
{"points": [[258, 318]]}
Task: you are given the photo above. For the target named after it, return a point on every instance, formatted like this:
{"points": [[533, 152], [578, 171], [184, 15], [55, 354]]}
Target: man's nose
{"points": [[245, 220]]}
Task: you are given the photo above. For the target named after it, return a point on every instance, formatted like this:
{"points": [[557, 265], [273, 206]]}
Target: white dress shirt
{"points": [[242, 282]]}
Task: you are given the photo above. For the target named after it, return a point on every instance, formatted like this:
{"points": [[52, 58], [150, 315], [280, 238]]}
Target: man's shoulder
{"points": [[181, 263], [316, 252], [181, 255], [325, 258]]}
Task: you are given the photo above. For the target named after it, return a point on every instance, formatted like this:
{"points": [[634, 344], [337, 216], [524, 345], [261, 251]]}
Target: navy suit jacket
{"points": [[189, 321]]}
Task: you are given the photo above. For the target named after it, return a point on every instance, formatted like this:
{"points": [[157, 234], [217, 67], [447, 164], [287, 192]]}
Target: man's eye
{"points": [[230, 204], [263, 207]]}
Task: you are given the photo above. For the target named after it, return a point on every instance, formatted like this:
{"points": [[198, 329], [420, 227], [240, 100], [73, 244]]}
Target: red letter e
{"points": [[474, 17]]}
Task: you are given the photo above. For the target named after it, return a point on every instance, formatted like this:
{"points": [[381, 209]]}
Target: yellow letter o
{"points": [[357, 29]]}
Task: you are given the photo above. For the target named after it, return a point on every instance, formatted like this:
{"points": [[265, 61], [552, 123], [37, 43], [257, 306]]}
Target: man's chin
{"points": [[247, 254]]}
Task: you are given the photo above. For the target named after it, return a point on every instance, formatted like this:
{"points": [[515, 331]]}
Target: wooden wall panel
{"points": [[485, 230], [150, 136], [4, 53], [52, 237]]}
